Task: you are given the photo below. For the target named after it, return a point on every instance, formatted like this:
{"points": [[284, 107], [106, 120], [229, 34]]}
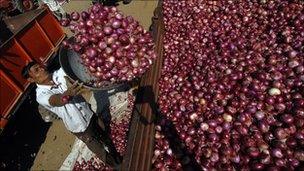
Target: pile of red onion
{"points": [[113, 47], [233, 82], [120, 128], [163, 158], [92, 165]]}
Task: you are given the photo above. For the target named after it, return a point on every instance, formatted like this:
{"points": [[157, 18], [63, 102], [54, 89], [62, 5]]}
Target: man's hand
{"points": [[74, 88], [83, 91]]}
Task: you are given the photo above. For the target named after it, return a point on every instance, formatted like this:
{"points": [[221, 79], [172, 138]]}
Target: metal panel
{"points": [[34, 41], [51, 27], [12, 60], [9, 94]]}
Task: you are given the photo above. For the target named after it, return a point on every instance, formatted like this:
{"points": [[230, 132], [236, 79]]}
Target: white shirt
{"points": [[76, 114]]}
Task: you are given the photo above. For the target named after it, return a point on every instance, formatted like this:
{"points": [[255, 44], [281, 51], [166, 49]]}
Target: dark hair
{"points": [[25, 71]]}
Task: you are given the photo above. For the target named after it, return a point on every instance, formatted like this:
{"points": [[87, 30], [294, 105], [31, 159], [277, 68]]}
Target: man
{"points": [[65, 101]]}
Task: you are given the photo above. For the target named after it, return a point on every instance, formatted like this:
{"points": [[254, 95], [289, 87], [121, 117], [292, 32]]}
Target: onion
{"points": [[84, 15], [135, 63], [65, 22], [274, 91], [293, 63], [157, 152], [287, 118], [227, 118], [277, 153], [204, 126], [107, 30], [259, 115], [91, 52], [75, 16], [193, 116], [116, 24], [102, 45], [111, 59], [299, 155], [280, 133], [89, 23]]}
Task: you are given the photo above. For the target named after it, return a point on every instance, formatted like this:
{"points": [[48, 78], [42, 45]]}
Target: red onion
{"points": [[116, 24], [287, 118], [107, 30], [75, 16], [102, 45], [84, 15], [111, 59], [280, 133], [277, 153], [65, 22]]}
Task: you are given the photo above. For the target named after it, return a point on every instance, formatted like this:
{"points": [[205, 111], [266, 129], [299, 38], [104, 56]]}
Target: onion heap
{"points": [[113, 47], [92, 164], [164, 158], [120, 128], [233, 82]]}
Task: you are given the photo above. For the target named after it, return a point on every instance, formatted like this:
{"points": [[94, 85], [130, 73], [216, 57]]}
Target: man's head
{"points": [[35, 73]]}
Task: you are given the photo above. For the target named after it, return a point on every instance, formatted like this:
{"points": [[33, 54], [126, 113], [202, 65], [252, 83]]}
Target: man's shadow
{"points": [[103, 103]]}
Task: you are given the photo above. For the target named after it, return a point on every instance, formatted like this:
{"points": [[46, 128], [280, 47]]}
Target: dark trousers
{"points": [[95, 139]]}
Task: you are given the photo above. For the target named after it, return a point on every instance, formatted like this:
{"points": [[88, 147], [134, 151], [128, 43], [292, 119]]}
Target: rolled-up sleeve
{"points": [[61, 72]]}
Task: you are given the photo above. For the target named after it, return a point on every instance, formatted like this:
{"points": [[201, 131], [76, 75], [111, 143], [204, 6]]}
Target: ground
{"points": [[28, 142]]}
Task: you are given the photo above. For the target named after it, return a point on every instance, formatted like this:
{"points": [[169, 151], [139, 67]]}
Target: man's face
{"points": [[38, 74]]}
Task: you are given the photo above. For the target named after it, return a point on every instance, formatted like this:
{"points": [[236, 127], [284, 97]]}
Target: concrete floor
{"points": [[58, 140]]}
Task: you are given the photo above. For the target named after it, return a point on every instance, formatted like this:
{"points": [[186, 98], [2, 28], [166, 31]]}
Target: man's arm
{"points": [[62, 99]]}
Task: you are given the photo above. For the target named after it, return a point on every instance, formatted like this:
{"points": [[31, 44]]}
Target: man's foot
{"points": [[114, 162]]}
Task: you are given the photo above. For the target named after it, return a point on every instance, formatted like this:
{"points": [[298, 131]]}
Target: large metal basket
{"points": [[72, 65]]}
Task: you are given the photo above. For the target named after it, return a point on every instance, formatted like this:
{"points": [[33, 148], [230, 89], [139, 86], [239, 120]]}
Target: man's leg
{"points": [[104, 136], [95, 145]]}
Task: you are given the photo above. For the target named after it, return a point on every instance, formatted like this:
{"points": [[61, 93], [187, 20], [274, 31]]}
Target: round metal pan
{"points": [[70, 62]]}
